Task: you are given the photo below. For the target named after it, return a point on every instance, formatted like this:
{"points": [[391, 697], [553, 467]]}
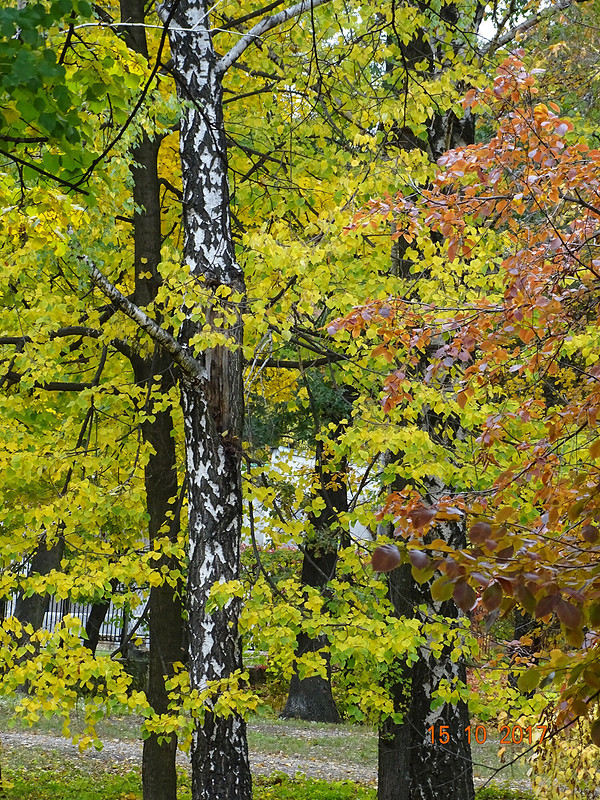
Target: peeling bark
{"points": [[213, 411]]}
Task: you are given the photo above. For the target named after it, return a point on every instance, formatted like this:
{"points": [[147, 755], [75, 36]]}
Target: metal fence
{"points": [[115, 628]]}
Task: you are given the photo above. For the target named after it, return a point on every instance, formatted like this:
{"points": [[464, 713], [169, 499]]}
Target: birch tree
{"points": [[211, 384]]}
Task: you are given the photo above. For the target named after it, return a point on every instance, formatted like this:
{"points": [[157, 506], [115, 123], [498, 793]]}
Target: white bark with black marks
{"points": [[212, 408]]}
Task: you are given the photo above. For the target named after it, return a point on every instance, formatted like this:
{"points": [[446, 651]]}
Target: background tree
{"points": [[526, 197]]}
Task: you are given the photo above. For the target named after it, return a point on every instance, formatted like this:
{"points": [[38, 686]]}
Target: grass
{"points": [[37, 775], [125, 726], [343, 744], [47, 779], [46, 776], [357, 744]]}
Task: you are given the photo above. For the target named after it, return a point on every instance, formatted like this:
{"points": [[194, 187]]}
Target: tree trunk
{"points": [[311, 698], [159, 774], [31, 610], [95, 620], [411, 765], [212, 409]]}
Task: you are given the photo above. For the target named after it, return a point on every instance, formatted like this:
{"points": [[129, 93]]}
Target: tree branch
{"points": [[580, 202], [62, 386], [72, 330], [32, 165], [139, 101], [180, 355], [247, 17], [530, 22], [317, 362], [262, 27], [24, 139]]}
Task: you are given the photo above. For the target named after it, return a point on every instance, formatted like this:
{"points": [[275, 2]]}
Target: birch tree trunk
{"points": [[410, 765], [212, 407]]}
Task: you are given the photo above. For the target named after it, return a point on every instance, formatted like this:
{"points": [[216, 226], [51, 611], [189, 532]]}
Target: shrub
{"points": [[280, 563], [282, 787]]}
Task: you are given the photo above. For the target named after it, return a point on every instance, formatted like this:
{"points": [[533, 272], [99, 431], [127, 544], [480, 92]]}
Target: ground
{"points": [[332, 752]]}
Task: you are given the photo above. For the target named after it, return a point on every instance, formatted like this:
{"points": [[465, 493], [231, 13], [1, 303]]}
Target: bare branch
{"points": [[530, 22], [247, 17], [262, 27], [72, 330], [62, 386], [317, 362], [180, 355], [24, 139]]}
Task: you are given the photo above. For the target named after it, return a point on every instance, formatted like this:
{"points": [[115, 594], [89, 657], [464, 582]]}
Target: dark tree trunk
{"points": [[31, 610], [96, 619], [311, 698], [93, 624], [159, 774], [411, 766], [212, 408]]}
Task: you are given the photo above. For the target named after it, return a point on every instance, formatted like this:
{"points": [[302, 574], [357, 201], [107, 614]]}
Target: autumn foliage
{"points": [[515, 356]]}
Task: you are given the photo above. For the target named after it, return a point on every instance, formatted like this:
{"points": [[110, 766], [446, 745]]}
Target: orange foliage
{"points": [[538, 184]]}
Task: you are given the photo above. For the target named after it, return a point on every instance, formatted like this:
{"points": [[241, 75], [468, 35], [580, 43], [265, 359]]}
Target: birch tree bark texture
{"points": [[211, 385], [212, 403]]}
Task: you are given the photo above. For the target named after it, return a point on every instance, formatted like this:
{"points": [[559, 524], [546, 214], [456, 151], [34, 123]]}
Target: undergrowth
{"points": [[69, 783]]}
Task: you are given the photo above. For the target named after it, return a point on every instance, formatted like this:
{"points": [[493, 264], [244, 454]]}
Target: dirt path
{"points": [[118, 755]]}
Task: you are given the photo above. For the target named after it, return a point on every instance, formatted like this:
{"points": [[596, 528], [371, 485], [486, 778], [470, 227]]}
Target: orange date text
{"points": [[509, 734]]}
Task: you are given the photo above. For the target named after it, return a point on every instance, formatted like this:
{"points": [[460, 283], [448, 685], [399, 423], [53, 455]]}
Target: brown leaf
{"points": [[546, 605], [419, 559], [385, 558], [453, 570], [464, 596], [590, 533], [506, 553], [479, 532], [568, 614], [506, 584], [421, 516], [492, 596], [526, 599]]}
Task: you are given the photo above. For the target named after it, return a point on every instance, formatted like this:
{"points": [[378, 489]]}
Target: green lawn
{"points": [[45, 779], [38, 775]]}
